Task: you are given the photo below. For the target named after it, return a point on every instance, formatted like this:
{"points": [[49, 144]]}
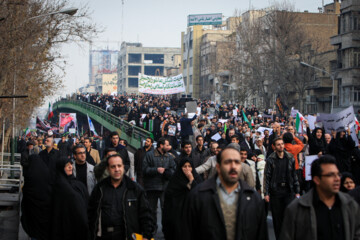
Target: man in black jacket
{"points": [[281, 184], [139, 157], [118, 207], [158, 168], [225, 207], [120, 149]]}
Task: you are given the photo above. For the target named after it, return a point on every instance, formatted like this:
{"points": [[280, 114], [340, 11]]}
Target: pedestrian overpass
{"points": [[132, 134]]}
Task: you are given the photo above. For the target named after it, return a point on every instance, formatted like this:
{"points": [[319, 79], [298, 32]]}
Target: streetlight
{"points": [[68, 11], [332, 77]]}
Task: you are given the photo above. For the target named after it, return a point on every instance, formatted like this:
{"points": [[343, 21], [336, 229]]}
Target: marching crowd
{"points": [[217, 174]]}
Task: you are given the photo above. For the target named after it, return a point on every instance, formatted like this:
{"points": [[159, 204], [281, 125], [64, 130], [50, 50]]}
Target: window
{"points": [[184, 64], [191, 62], [134, 70], [190, 79], [132, 82], [356, 96], [185, 81], [154, 58], [154, 70], [134, 58]]}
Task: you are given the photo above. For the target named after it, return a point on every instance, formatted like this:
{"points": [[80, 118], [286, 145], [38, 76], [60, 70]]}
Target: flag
{"points": [[298, 123], [51, 114], [225, 128], [246, 120], [27, 132], [91, 126], [357, 123], [252, 122], [151, 125]]}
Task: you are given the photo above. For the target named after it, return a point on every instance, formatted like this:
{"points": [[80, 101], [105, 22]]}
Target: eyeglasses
{"points": [[78, 153], [332, 175]]}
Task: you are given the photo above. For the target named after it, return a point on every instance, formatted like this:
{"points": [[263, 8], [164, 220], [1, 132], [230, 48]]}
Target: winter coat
{"points": [[153, 180], [90, 176], [137, 212], [341, 149], [270, 174], [175, 196], [204, 218], [300, 219], [186, 128]]}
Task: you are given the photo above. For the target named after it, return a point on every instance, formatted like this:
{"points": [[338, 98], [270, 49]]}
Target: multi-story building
{"points": [[101, 62], [347, 73], [135, 59]]}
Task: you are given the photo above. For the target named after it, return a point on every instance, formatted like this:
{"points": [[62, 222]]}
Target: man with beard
{"points": [[139, 157], [200, 152], [120, 149], [225, 207], [92, 155], [158, 168], [324, 212], [281, 184]]}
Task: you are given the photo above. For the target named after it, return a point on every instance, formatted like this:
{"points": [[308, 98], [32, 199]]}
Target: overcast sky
{"points": [[155, 23]]}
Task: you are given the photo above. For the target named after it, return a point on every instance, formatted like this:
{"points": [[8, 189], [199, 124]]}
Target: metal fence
{"points": [[132, 134]]}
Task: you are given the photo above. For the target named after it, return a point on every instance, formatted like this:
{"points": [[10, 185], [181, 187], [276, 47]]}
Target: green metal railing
{"points": [[132, 134]]}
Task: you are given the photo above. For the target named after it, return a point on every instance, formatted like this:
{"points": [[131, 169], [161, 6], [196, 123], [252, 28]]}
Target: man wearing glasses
{"points": [[324, 212], [82, 170]]}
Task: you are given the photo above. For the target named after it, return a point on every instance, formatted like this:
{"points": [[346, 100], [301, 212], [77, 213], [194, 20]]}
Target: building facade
{"points": [[134, 59], [348, 56]]}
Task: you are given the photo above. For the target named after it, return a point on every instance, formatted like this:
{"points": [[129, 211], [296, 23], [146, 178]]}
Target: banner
{"points": [[67, 121], [161, 85], [308, 161], [40, 125], [345, 119]]}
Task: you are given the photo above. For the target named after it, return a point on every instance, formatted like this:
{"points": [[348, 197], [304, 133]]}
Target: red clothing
{"points": [[295, 149]]}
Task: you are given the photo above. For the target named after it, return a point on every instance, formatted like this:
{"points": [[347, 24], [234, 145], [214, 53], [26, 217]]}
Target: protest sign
{"points": [[311, 120], [172, 130], [216, 137], [342, 119], [262, 129], [308, 161], [161, 85]]}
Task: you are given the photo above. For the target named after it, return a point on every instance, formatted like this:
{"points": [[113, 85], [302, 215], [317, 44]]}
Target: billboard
{"points": [[67, 121], [109, 83], [205, 19]]}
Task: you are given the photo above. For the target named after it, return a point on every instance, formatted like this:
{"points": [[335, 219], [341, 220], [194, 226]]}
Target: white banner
{"points": [[161, 85], [308, 161]]}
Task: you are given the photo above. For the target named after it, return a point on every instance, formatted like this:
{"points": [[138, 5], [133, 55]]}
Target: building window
{"points": [[184, 64], [185, 81], [356, 96], [154, 70], [134, 70], [134, 58], [133, 82], [190, 80], [154, 58], [191, 62]]}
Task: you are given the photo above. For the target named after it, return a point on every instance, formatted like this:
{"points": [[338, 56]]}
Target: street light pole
{"points": [[332, 77], [67, 11]]}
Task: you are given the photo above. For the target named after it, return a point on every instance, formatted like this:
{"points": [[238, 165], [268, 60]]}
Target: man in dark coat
{"points": [[324, 212], [225, 207], [115, 143], [118, 207], [139, 158]]}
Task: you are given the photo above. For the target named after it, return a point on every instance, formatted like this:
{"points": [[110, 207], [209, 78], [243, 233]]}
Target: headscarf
{"points": [[178, 182], [345, 175]]}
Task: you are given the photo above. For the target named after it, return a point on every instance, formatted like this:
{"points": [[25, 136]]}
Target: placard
{"points": [[308, 161]]}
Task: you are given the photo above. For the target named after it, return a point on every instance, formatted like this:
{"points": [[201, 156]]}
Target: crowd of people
{"points": [[216, 175]]}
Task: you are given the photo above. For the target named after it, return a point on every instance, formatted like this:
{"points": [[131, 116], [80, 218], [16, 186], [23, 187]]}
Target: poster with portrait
{"points": [[66, 122]]}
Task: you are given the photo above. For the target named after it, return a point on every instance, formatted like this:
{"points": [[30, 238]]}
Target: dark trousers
{"points": [[278, 202], [153, 197]]}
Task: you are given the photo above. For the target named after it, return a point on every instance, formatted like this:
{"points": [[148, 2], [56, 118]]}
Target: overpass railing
{"points": [[132, 134]]}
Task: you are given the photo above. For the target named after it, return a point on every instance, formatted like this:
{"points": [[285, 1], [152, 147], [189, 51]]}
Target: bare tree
{"points": [[30, 50]]}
